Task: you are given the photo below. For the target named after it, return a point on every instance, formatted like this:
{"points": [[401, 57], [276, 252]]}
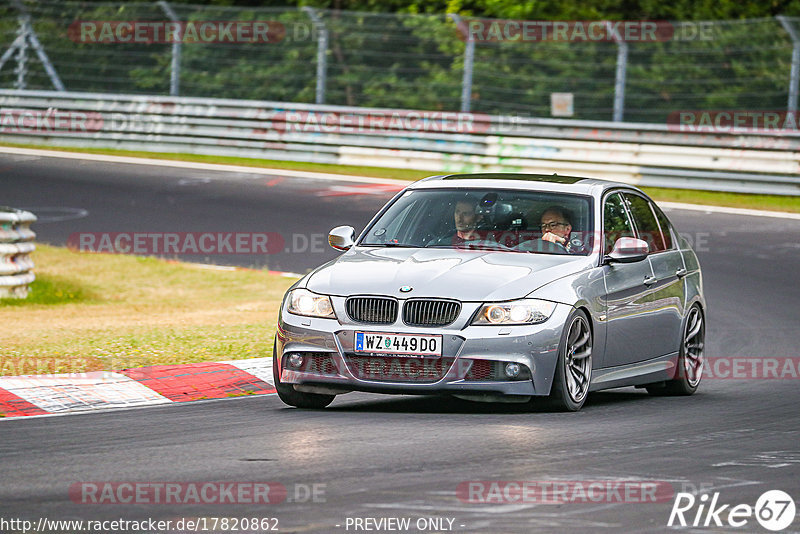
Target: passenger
{"points": [[556, 225]]}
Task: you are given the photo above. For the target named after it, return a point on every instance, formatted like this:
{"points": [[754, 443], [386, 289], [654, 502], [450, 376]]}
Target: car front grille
{"points": [[398, 368], [372, 310], [430, 312]]}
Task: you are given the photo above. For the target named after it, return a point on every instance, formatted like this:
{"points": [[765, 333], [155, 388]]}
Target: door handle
{"points": [[650, 280], [680, 273]]}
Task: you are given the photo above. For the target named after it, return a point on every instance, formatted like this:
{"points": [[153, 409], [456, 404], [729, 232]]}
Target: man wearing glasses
{"points": [[556, 226]]}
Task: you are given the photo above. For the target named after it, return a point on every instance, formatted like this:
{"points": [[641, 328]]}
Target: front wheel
{"points": [[574, 367], [291, 397], [690, 358]]}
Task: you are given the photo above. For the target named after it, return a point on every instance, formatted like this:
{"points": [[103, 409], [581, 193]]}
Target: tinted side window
{"points": [[616, 223], [645, 222], [666, 227]]}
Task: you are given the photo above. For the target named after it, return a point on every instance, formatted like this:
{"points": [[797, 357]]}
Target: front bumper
{"points": [[533, 346]]}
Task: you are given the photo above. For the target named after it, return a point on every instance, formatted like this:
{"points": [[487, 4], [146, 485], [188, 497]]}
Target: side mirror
{"points": [[628, 250], [342, 237]]}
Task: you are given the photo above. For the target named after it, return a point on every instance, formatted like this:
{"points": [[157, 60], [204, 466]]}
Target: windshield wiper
{"points": [[395, 245]]}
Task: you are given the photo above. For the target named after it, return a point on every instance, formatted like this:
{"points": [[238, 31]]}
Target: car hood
{"points": [[466, 275]]}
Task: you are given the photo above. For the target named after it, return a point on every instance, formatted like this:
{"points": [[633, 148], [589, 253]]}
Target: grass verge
{"points": [[692, 196], [90, 312]]}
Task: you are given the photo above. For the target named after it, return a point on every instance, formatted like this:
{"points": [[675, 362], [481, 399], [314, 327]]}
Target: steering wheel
{"points": [[439, 240], [540, 245]]}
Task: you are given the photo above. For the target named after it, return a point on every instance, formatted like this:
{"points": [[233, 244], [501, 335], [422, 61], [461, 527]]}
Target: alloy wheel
{"points": [[578, 357], [693, 344]]}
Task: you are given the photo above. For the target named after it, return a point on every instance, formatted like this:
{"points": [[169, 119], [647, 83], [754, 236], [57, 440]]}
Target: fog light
{"points": [[512, 370], [295, 360]]}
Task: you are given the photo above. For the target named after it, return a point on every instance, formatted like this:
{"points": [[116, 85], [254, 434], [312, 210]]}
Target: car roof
{"points": [[532, 182]]}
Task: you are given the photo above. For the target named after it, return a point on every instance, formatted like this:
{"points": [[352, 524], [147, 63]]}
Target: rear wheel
{"points": [[299, 399], [690, 359], [574, 367]]}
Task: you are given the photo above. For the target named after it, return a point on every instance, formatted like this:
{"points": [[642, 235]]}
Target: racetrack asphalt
{"points": [[382, 456]]}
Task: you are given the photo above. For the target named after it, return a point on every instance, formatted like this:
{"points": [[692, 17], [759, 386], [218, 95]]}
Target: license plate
{"points": [[407, 345]]}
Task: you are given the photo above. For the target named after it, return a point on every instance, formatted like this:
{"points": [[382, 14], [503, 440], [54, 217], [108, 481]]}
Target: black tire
{"points": [[689, 370], [569, 391], [290, 396]]}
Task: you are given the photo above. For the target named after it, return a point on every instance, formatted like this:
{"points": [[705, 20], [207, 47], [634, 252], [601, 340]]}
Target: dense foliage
{"points": [[409, 54]]}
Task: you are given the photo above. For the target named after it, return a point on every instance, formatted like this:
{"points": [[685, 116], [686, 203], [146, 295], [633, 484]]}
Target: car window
{"points": [[395, 228], [616, 223], [666, 226], [486, 219], [645, 222]]}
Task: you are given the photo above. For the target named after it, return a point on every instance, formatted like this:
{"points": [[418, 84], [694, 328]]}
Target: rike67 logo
{"points": [[774, 510]]}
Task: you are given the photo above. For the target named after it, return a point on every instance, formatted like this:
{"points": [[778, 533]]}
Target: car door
{"points": [[666, 292], [628, 312]]}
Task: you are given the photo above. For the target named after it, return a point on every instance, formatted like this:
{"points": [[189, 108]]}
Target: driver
{"points": [[466, 219], [556, 225]]}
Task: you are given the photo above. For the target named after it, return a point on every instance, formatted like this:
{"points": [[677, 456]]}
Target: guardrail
{"points": [[643, 154], [16, 244]]}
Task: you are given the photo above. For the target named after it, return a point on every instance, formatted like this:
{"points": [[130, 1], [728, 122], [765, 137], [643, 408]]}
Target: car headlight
{"points": [[304, 302], [524, 311]]}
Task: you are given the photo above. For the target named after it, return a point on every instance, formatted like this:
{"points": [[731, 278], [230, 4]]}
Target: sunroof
{"points": [[552, 178]]}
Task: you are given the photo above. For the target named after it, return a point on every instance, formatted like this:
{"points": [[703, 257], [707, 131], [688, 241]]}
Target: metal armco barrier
{"points": [[16, 244], [643, 154]]}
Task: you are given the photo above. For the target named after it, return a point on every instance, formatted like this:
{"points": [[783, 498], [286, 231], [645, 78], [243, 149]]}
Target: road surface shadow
{"points": [[452, 405]]}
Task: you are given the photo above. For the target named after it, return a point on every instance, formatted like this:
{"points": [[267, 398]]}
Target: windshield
{"points": [[486, 219]]}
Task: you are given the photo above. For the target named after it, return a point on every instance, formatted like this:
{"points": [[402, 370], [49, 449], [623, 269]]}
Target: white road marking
{"points": [[729, 211], [197, 165], [771, 460], [261, 368], [88, 391], [55, 214], [194, 181], [329, 177]]}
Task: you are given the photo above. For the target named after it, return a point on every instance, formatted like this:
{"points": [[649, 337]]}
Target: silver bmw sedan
{"points": [[500, 288]]}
